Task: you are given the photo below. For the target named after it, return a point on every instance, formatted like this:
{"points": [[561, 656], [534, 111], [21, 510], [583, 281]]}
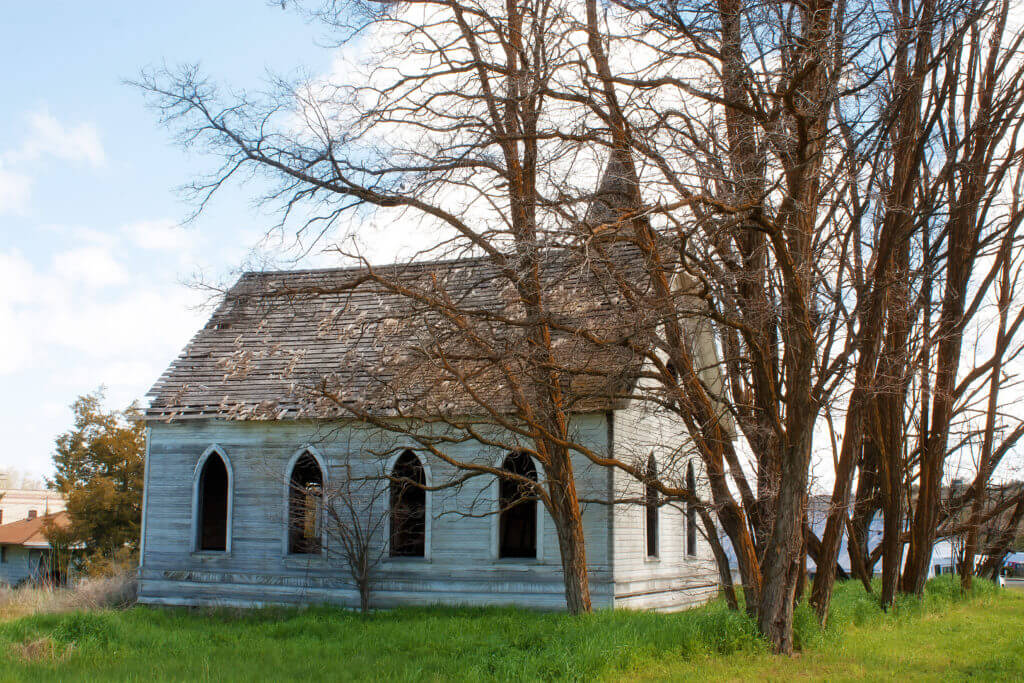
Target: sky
{"points": [[95, 267]]}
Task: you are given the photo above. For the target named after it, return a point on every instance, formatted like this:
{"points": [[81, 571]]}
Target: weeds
{"points": [[442, 643], [89, 594]]}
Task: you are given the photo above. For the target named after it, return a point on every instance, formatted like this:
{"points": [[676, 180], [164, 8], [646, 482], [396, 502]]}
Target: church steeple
{"points": [[617, 193]]}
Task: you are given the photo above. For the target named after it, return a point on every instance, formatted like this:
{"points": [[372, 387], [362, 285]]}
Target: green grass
{"points": [[942, 636]]}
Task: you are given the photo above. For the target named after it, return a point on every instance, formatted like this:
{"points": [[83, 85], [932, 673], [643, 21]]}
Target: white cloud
{"points": [[96, 305], [163, 235], [49, 137], [14, 191], [91, 266]]}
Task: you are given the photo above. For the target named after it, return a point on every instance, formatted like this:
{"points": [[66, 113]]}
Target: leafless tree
{"points": [[796, 181]]}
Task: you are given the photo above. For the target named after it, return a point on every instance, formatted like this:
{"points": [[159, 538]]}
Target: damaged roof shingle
{"points": [[313, 344]]}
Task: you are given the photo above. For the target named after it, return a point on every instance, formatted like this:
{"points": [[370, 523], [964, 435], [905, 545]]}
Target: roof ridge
{"points": [[352, 269]]}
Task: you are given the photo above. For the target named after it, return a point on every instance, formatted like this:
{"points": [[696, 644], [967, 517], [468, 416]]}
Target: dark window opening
{"points": [[673, 372], [304, 508], [32, 514], [651, 504], [517, 532], [3, 553], [691, 513], [213, 504], [408, 507]]}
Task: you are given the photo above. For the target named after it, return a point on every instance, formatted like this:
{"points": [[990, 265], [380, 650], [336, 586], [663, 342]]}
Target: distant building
{"points": [[20, 504], [26, 554]]}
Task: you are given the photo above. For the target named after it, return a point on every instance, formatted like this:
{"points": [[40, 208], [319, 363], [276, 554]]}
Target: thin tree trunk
{"points": [[721, 559], [857, 563], [569, 527], [985, 465]]}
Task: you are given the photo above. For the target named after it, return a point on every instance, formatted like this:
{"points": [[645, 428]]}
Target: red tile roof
{"points": [[30, 532]]}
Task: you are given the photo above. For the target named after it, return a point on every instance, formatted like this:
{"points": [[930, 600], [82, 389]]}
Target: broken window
{"points": [[651, 505], [691, 513], [408, 507], [304, 506], [213, 504], [518, 517]]}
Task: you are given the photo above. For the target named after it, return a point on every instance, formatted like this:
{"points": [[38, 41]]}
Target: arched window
{"points": [[305, 494], [213, 504], [408, 507], [517, 528], [651, 505], [691, 513]]}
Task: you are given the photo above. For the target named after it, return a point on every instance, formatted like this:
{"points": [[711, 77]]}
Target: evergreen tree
{"points": [[99, 469]]}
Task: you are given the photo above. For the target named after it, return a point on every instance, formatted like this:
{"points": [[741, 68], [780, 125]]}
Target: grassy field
{"points": [[944, 636]]}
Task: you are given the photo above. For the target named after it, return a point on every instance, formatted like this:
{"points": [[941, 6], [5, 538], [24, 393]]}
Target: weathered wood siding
{"points": [[672, 579], [461, 569], [19, 564]]}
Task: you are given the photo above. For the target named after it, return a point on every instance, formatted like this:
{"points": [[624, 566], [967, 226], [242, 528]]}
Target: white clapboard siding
{"points": [[672, 579], [461, 568]]}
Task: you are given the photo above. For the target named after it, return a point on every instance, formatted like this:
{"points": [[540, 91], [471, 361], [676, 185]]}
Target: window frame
{"points": [[651, 471], [286, 508], [427, 503], [690, 512], [496, 516], [197, 473]]}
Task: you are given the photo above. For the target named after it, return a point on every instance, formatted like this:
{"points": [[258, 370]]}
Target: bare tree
{"points": [[798, 197]]}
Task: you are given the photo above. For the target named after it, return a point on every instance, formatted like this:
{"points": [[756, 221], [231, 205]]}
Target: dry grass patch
{"points": [[87, 594], [44, 650]]}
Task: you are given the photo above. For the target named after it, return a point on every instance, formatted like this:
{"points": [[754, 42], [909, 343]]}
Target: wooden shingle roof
{"points": [[281, 343]]}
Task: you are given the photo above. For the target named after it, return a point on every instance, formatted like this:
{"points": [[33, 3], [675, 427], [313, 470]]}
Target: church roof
{"points": [[317, 343]]}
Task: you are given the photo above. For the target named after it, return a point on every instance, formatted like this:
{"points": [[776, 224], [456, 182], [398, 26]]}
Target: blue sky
{"points": [[93, 267]]}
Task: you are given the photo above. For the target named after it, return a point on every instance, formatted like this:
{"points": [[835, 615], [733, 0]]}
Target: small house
{"points": [[27, 555]]}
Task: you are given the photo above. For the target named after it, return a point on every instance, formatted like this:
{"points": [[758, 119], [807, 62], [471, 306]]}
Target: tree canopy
{"points": [[99, 469]]}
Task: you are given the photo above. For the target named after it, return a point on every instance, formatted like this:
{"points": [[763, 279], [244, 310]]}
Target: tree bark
{"points": [[569, 527], [721, 559]]}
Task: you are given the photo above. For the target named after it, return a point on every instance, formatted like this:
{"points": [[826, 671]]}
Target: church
{"points": [[242, 457]]}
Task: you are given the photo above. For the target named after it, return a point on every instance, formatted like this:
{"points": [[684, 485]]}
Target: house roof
{"points": [[30, 533], [280, 341]]}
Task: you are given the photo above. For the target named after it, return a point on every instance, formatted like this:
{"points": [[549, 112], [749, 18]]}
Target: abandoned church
{"points": [[287, 399], [231, 439]]}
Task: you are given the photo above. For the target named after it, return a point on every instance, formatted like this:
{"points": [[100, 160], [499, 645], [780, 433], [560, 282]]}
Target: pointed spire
{"points": [[617, 192]]}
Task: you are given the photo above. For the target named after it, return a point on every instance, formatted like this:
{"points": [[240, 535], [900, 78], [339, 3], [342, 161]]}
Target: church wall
{"points": [[672, 579], [462, 567]]}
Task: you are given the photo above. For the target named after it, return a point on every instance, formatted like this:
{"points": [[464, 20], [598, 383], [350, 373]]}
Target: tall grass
{"points": [[413, 644], [86, 595], [853, 606]]}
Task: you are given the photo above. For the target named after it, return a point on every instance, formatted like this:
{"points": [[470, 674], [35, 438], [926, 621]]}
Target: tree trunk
{"points": [[574, 566], [781, 566], [721, 559], [985, 466], [892, 544], [858, 564], [569, 526], [801, 580], [364, 596]]}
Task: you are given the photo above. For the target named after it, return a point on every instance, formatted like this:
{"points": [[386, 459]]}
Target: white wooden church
{"points": [[228, 449]]}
